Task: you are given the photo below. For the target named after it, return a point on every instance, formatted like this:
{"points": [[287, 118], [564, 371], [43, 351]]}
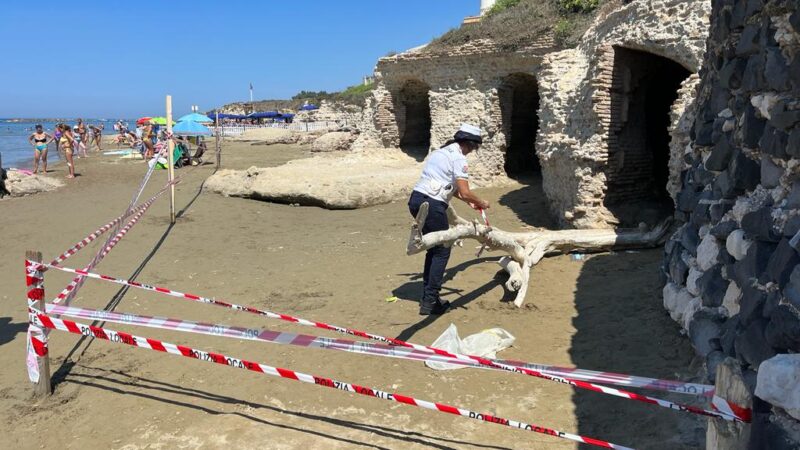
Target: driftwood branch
{"points": [[525, 250]]}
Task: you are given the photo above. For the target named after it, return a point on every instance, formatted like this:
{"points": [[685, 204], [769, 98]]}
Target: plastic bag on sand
{"points": [[485, 344]]}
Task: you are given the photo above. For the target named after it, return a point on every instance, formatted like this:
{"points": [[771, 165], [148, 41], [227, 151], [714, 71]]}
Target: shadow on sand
{"points": [[529, 203], [621, 326], [153, 390]]}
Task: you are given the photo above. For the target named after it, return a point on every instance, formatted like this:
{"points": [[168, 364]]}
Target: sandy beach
{"points": [[333, 266]]}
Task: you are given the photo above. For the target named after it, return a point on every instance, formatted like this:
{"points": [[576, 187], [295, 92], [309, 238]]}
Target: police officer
{"points": [[445, 174]]}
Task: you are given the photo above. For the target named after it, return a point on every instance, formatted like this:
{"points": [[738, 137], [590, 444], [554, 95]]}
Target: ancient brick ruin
{"points": [[590, 124]]}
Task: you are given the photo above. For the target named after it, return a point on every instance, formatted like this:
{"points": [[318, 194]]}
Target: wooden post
{"points": [[171, 159], [216, 138], [37, 336]]}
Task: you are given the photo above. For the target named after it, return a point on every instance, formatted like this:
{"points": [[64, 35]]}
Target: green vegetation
{"points": [[502, 5], [514, 24], [579, 6], [354, 95]]}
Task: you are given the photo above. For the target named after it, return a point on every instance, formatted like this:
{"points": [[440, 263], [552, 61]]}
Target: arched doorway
{"points": [[414, 118], [519, 105], [644, 88]]}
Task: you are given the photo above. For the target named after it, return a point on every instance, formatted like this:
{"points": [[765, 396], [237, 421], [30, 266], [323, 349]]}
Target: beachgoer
{"points": [[81, 136], [147, 140], [444, 175], [39, 140], [57, 137], [97, 135], [67, 143]]}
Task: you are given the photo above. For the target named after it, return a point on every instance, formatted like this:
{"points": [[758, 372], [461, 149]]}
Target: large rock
{"points": [[732, 298], [677, 302], [783, 330], [707, 252], [704, 330], [779, 383], [19, 184], [335, 182], [737, 244], [335, 141], [752, 346]]}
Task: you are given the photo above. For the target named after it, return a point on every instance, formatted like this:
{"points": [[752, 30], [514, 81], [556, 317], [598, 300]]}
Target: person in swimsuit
{"points": [[67, 143], [39, 140], [81, 136], [97, 135], [147, 140]]}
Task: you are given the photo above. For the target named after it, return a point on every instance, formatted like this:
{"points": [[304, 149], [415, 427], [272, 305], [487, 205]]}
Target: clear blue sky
{"points": [[119, 59]]}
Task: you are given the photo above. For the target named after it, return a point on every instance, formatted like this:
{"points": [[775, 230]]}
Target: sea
{"points": [[17, 152]]}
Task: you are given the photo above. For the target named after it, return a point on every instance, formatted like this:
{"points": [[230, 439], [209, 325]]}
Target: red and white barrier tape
{"points": [[722, 405], [260, 335], [480, 360], [68, 292], [89, 239], [36, 338], [189, 352]]}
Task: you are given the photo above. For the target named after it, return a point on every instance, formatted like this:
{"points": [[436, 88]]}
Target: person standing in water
{"points": [[445, 174], [39, 140]]}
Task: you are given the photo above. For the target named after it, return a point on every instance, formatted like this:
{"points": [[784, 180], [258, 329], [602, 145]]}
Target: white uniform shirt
{"points": [[441, 170]]}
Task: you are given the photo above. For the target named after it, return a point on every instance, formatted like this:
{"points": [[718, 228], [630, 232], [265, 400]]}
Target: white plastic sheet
{"points": [[485, 344]]}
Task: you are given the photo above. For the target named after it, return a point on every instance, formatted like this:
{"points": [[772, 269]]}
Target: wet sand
{"points": [[601, 313]]}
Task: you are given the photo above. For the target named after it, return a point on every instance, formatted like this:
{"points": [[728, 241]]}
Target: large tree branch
{"points": [[525, 250]]}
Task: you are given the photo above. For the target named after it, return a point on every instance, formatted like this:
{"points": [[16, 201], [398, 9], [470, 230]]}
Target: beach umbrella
{"points": [[194, 117], [142, 120], [190, 128], [159, 120]]}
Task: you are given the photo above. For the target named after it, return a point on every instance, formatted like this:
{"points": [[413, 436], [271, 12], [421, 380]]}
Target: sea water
{"points": [[18, 152]]}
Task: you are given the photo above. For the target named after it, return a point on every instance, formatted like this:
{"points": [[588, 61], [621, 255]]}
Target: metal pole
{"points": [[171, 159], [216, 136]]}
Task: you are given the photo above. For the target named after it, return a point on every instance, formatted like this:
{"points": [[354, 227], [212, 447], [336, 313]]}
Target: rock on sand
{"points": [[352, 181], [335, 141], [19, 184]]}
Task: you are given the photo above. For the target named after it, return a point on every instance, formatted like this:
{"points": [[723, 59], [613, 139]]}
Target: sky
{"points": [[110, 59]]}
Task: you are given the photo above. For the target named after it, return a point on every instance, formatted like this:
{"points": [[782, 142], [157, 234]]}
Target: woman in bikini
{"points": [[147, 140], [67, 143], [81, 136], [39, 140], [97, 135]]}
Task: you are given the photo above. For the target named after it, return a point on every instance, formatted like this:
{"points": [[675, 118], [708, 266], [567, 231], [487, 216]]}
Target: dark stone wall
{"points": [[733, 267]]}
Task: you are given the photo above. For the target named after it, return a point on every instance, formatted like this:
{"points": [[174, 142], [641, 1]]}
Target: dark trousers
{"points": [[436, 257]]}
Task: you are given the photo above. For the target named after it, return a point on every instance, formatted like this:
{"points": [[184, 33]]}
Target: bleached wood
{"points": [[526, 249]]}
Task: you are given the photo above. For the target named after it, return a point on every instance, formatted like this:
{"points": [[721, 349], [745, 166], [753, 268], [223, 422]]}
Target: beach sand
{"points": [[602, 313]]}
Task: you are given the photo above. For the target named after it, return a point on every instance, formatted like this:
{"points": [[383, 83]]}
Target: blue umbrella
{"points": [[194, 117], [190, 128]]}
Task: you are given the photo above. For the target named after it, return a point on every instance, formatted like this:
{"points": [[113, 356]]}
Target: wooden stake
{"points": [[171, 159], [42, 387]]}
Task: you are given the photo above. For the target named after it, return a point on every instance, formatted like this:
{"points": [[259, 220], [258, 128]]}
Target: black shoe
{"points": [[437, 308]]}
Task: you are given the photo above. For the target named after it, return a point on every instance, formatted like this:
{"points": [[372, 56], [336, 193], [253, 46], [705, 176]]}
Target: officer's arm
{"points": [[464, 193]]}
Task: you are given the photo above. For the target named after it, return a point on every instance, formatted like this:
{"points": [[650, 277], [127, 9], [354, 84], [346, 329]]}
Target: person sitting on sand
{"points": [[444, 175], [67, 143], [39, 140], [97, 135]]}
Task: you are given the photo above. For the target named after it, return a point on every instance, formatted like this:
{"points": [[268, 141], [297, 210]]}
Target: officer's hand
{"points": [[484, 205]]}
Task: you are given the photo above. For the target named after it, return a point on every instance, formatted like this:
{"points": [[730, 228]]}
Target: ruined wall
{"points": [[463, 86], [577, 146], [733, 267], [579, 156]]}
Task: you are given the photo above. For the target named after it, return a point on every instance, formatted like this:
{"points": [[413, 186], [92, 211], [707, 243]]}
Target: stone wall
{"points": [[579, 96], [733, 267]]}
